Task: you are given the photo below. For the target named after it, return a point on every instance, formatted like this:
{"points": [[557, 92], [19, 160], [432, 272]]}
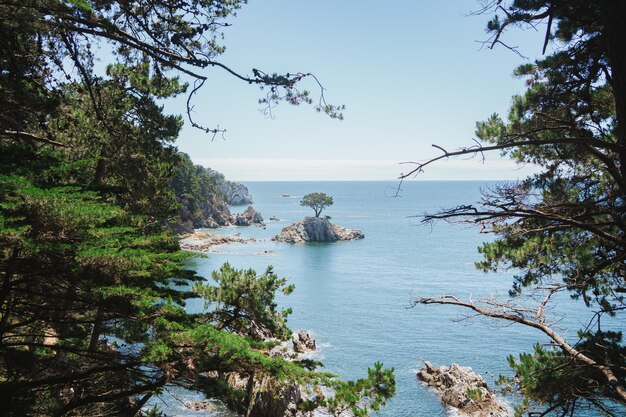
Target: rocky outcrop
{"points": [[200, 406], [316, 229], [462, 389], [203, 242], [248, 217], [236, 193], [348, 234], [212, 214], [264, 396], [304, 343]]}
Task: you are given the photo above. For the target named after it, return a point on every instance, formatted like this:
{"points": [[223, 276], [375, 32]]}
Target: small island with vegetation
{"points": [[317, 229]]}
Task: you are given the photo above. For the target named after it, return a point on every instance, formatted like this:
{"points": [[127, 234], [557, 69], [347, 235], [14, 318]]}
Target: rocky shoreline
{"points": [[310, 229], [199, 241], [265, 395], [463, 390]]}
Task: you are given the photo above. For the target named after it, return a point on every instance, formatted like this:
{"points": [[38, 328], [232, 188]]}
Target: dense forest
{"points": [[92, 284], [202, 196]]}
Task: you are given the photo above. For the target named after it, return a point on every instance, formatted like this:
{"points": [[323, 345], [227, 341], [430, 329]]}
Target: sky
{"points": [[410, 73]]}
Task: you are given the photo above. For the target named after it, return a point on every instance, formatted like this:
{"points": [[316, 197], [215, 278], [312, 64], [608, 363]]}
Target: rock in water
{"points": [[462, 389], [248, 217], [203, 242], [304, 343], [200, 406], [319, 230], [316, 229], [348, 234]]}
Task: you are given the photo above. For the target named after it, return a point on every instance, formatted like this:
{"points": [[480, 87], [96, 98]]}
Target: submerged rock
{"points": [[316, 229], [462, 389], [304, 343], [248, 217]]}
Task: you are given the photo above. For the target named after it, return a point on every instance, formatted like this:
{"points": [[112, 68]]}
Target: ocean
{"points": [[354, 297]]}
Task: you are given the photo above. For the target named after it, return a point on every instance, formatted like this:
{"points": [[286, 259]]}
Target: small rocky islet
{"points": [[249, 217], [458, 387], [267, 398], [463, 390], [317, 229]]}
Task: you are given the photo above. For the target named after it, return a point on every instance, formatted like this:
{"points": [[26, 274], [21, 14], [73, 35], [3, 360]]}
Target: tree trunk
{"points": [[95, 333], [614, 12], [5, 303], [97, 179], [251, 395]]}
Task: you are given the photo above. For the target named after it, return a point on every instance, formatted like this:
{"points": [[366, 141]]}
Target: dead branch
{"points": [[537, 321], [31, 137], [479, 149]]}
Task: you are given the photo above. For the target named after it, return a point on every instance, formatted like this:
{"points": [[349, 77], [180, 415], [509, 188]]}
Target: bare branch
{"points": [[31, 137], [537, 322], [596, 143]]}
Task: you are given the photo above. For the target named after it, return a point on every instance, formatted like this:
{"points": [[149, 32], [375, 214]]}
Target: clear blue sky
{"points": [[411, 73]]}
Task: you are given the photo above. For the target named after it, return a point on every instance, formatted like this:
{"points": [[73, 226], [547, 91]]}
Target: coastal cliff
{"points": [[203, 196], [210, 213], [262, 395], [317, 229], [236, 193]]}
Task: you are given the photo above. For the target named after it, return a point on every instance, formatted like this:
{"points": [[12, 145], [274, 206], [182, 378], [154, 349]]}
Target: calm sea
{"points": [[354, 296]]}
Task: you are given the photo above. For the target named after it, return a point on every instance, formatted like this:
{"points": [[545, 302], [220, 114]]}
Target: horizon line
{"points": [[389, 180]]}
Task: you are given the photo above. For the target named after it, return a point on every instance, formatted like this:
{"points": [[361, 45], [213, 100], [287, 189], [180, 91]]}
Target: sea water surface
{"points": [[354, 297]]}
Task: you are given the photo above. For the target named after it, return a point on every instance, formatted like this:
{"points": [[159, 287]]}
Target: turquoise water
{"points": [[354, 296]]}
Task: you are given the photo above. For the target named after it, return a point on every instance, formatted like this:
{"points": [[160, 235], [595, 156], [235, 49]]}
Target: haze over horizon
{"points": [[406, 82], [266, 169]]}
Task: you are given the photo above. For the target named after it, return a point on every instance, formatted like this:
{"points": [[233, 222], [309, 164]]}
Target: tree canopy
{"points": [[93, 288], [561, 230], [317, 201], [48, 42]]}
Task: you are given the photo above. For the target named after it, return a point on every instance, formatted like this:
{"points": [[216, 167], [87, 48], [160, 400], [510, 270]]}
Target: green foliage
{"points": [[198, 192], [549, 376], [363, 395], [317, 201], [152, 412], [563, 228], [243, 302], [77, 271], [474, 394], [92, 289]]}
